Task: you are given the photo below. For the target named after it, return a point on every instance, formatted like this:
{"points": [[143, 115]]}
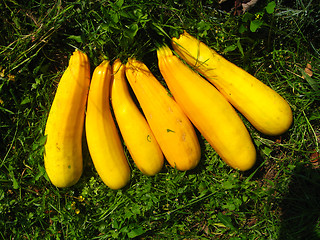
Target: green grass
{"points": [[278, 199]]}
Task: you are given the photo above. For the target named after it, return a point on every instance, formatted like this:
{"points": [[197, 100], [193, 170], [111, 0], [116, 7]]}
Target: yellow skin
{"points": [[267, 111], [171, 127], [140, 141], [63, 149], [209, 111], [103, 139]]}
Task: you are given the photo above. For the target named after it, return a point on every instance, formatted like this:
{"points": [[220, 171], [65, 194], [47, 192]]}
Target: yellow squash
{"points": [[137, 135], [103, 139], [208, 110], [267, 111], [171, 127], [63, 148]]}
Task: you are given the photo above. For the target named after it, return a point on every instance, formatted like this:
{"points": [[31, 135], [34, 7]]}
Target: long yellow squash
{"points": [[267, 111], [171, 127], [103, 139], [63, 148], [137, 135], [208, 110]]}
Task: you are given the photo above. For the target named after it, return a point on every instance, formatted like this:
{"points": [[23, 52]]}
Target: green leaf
{"points": [[242, 28], [313, 84], [136, 209], [115, 224], [270, 7], [41, 172], [227, 185], [244, 198], [202, 26], [131, 31], [255, 24], [229, 206], [266, 150], [136, 232], [42, 140], [225, 220], [237, 202], [15, 182], [141, 17], [230, 48], [25, 100], [114, 16], [105, 26], [240, 47], [76, 38], [2, 195], [119, 3], [247, 17], [115, 234]]}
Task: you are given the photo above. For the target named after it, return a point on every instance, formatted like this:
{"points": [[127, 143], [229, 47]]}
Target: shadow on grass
{"points": [[301, 206]]}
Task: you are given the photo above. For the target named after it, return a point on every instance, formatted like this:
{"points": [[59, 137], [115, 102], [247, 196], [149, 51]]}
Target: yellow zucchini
{"points": [[208, 110], [171, 127], [103, 139], [137, 135], [267, 111], [63, 148]]}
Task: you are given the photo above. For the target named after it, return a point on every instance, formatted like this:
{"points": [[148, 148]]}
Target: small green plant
{"points": [[254, 21]]}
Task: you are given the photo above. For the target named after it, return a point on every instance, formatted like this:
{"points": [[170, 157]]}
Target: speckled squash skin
{"points": [[264, 108], [171, 127], [63, 148], [135, 130], [103, 138], [209, 111]]}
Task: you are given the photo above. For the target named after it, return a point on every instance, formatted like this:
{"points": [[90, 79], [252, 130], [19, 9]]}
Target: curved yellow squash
{"points": [[63, 148], [171, 127], [208, 110], [267, 111], [137, 135], [103, 139]]}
